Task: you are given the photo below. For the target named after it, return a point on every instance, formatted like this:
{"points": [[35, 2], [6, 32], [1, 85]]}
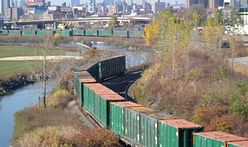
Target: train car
{"points": [[105, 33], [28, 32], [108, 68], [215, 139], [117, 121], [91, 32], [15, 32], [4, 32], [136, 34], [177, 132], [79, 80], [121, 33], [97, 100], [44, 32], [64, 33], [238, 144], [78, 32]]}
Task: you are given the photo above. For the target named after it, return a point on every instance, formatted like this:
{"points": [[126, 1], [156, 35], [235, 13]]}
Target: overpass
{"points": [[123, 19]]}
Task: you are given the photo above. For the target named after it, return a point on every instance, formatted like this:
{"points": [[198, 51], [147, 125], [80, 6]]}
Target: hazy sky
{"points": [[59, 2]]}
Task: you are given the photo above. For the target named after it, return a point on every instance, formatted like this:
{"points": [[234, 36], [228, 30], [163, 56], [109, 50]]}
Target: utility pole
{"points": [[44, 71]]}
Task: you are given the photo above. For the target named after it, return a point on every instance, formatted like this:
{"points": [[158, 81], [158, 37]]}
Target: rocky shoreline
{"points": [[15, 83]]}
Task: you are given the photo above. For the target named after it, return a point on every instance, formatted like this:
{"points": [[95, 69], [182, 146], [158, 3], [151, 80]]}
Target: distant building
{"points": [[5, 6], [236, 3], [211, 4], [91, 6], [75, 2], [158, 6]]}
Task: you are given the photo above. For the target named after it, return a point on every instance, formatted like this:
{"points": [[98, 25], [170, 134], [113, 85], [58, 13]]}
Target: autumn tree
{"points": [[114, 22]]}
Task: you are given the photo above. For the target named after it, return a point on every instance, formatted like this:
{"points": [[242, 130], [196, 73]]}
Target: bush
{"points": [[96, 138], [48, 136]]}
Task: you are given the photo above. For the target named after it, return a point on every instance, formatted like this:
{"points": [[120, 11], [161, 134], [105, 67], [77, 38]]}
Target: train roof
{"points": [[240, 143], [180, 123], [127, 104], [143, 109], [113, 97], [221, 136]]}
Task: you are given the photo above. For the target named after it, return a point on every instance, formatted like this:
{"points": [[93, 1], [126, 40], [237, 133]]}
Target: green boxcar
{"points": [[91, 32], [108, 68], [4, 32], [238, 144], [215, 139], [136, 34], [30, 33], [117, 117], [120, 33], [105, 33], [97, 99], [78, 32], [15, 32], [79, 80], [65, 33], [136, 125], [177, 133], [44, 32]]}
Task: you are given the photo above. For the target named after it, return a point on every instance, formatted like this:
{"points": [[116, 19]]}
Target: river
{"points": [[10, 104]]}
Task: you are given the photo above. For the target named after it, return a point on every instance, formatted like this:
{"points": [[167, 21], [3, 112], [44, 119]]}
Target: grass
{"points": [[11, 51], [16, 67], [9, 68]]}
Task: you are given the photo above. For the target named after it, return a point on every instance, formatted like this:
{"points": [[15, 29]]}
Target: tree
{"points": [[114, 22]]}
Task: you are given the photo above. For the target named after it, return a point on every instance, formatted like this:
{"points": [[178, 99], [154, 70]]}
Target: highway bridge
{"points": [[91, 20]]}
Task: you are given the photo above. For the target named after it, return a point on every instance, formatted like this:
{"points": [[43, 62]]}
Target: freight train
{"points": [[123, 33], [138, 125]]}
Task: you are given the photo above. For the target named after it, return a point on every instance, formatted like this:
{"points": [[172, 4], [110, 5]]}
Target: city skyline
{"points": [[59, 2]]}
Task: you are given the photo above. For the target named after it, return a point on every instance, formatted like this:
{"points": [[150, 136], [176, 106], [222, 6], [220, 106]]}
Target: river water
{"points": [[28, 95], [10, 104]]}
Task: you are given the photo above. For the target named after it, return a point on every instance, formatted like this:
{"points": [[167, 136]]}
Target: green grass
{"points": [[11, 51], [9, 68], [17, 67]]}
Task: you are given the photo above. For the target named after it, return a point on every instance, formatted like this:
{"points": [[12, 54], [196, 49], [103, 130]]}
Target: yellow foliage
{"points": [[58, 136], [241, 69], [152, 32]]}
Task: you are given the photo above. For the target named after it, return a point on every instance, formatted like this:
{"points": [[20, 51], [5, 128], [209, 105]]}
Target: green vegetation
{"points": [[12, 51], [193, 79], [17, 67]]}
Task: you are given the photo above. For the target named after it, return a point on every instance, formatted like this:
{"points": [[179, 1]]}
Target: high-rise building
{"points": [[75, 2], [5, 7], [189, 3], [1, 7], [158, 6], [91, 6], [211, 4]]}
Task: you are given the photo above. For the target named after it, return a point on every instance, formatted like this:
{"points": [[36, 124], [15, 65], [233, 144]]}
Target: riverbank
{"points": [[61, 123]]}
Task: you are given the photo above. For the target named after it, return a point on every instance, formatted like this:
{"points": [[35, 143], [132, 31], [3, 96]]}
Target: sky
{"points": [[59, 2]]}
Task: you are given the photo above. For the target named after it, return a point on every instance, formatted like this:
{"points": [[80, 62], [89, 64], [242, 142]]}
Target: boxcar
{"points": [[134, 125], [215, 139], [97, 101], [79, 81], [238, 144], [29, 33], [177, 132], [78, 32], [44, 32], [15, 32], [105, 33], [121, 33], [3, 32], [108, 68], [91, 32], [117, 117]]}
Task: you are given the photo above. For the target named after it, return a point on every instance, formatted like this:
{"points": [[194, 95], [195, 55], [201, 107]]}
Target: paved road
{"points": [[122, 83]]}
